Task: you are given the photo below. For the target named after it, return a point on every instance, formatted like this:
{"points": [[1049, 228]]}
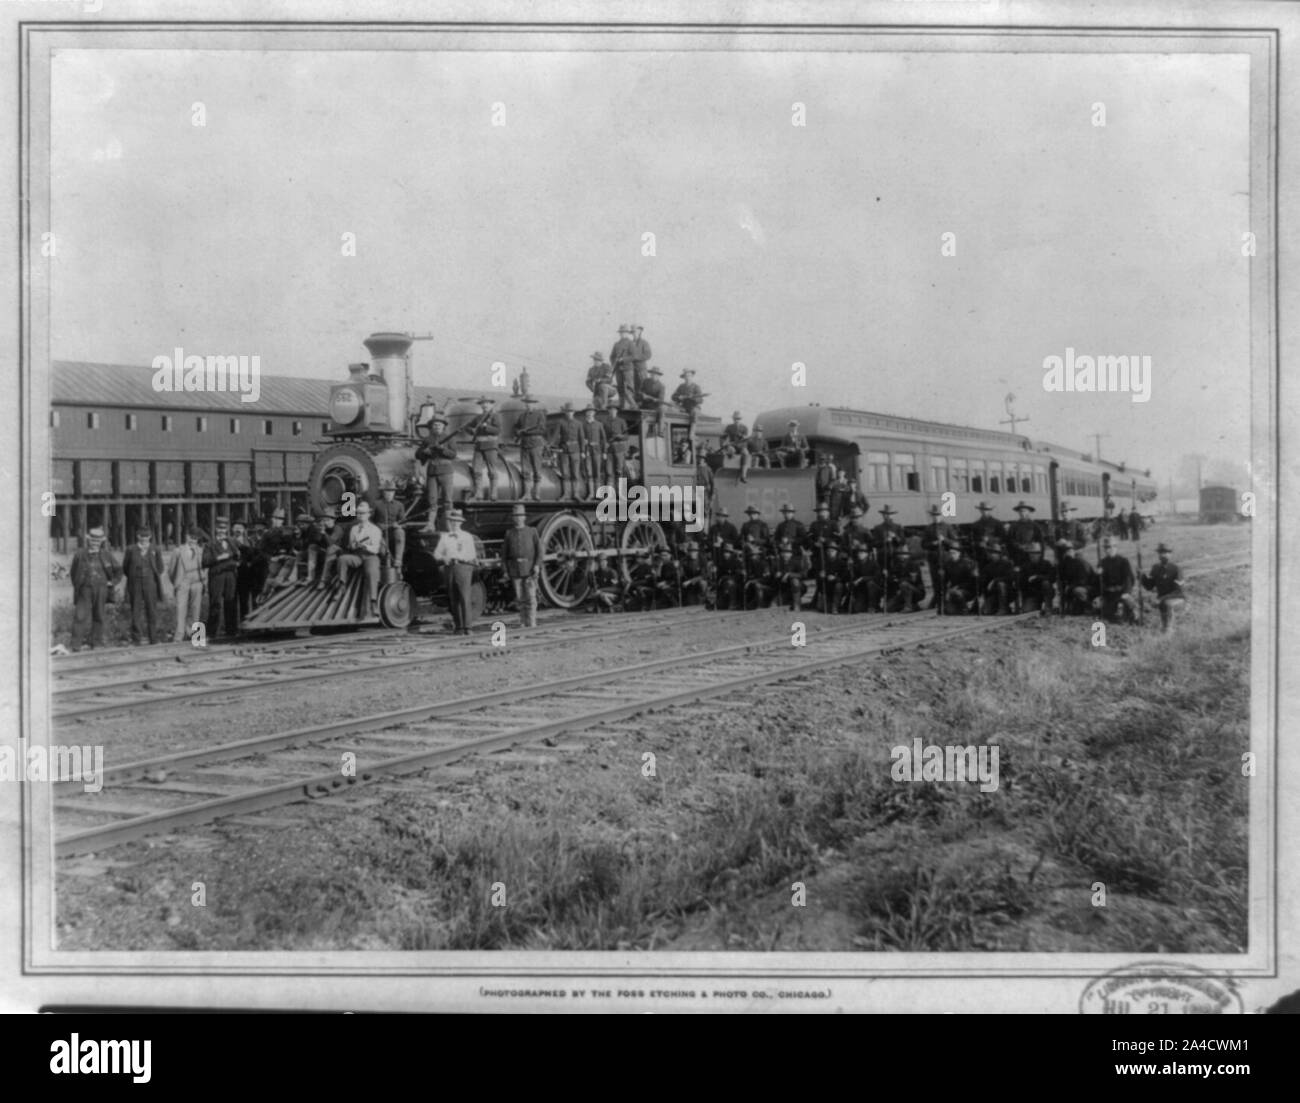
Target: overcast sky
{"points": [[774, 243]]}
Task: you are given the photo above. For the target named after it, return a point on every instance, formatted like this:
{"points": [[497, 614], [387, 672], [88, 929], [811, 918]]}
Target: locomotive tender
{"points": [[903, 462]]}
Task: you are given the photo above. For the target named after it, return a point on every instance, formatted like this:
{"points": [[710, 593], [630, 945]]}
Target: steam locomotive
{"points": [[905, 463]]}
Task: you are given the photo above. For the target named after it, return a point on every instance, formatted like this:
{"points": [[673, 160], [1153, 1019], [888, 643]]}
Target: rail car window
{"points": [[324, 426], [682, 453], [875, 471], [201, 424], [995, 476], [54, 419], [938, 474], [92, 421], [268, 427], [1040, 481], [167, 423], [234, 425], [977, 476], [297, 428], [132, 422], [905, 476], [960, 477]]}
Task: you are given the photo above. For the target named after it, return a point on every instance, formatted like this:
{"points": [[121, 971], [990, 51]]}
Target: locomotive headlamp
{"points": [[345, 406]]}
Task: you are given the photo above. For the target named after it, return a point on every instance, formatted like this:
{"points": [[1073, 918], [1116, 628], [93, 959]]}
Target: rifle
{"points": [[979, 593], [1138, 538], [677, 566], [943, 583], [884, 570], [822, 584]]}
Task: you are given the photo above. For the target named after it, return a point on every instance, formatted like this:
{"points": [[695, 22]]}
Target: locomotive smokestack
{"points": [[389, 354]]}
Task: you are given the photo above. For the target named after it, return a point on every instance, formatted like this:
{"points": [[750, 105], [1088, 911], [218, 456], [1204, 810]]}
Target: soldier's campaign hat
{"points": [[589, 409], [786, 507], [950, 545], [794, 422], [735, 415], [1164, 549], [363, 504], [598, 356], [1022, 505], [518, 510], [95, 532], [636, 326], [984, 507], [655, 371], [530, 400], [994, 546], [1067, 508], [143, 530], [455, 515], [625, 328], [721, 513], [823, 507], [1034, 546], [221, 522], [566, 408], [752, 509], [934, 511], [257, 523], [277, 512], [303, 518], [438, 419], [197, 533], [387, 484], [483, 400], [855, 511], [686, 372], [888, 511], [1063, 545]]}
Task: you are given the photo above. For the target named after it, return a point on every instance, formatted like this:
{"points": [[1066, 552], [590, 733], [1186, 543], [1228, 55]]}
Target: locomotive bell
{"points": [[388, 355]]}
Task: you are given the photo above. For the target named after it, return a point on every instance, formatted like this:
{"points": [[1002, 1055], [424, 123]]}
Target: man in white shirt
{"points": [[365, 543], [457, 551]]}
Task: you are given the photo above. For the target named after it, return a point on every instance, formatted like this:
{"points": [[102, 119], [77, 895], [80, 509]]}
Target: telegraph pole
{"points": [[1096, 456], [1012, 418]]}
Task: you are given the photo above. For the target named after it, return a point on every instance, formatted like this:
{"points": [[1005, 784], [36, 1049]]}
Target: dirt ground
{"points": [[771, 821]]}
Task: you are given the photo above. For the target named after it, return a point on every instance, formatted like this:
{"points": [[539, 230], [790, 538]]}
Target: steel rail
{"points": [[320, 785]]}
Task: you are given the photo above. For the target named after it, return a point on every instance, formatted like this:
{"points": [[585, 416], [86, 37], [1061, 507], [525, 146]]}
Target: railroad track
{"points": [[75, 700], [168, 792]]}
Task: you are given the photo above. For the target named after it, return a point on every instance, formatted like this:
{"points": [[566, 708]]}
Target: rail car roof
{"points": [[835, 421]]}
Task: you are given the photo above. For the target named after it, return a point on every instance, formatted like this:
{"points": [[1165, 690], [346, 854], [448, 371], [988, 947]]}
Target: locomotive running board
{"points": [[304, 606]]}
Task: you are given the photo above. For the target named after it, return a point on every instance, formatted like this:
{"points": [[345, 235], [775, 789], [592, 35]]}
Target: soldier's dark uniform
{"points": [[531, 432], [936, 534], [831, 571], [604, 585], [1076, 578], [960, 574], [1166, 580], [643, 580], [760, 585], [568, 451], [735, 435], [620, 359], [640, 359], [794, 450], [791, 570], [887, 528], [651, 393], [688, 396], [616, 434], [312, 543], [789, 529], [722, 531], [755, 529], [1065, 529], [866, 582], [598, 372], [221, 558], [1021, 533], [1038, 582], [487, 449], [695, 577], [1117, 581], [730, 584], [279, 548], [668, 576], [986, 530], [856, 532], [389, 513], [92, 573], [823, 482], [336, 543], [439, 456], [998, 580], [593, 447], [907, 582]]}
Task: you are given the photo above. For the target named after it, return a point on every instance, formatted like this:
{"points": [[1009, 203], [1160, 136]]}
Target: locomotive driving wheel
{"points": [[566, 549], [396, 605], [638, 536]]}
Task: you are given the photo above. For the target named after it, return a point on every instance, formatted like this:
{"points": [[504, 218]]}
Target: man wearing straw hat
{"points": [[93, 571], [457, 551]]}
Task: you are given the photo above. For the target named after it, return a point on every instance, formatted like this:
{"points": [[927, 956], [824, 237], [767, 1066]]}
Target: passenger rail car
{"points": [[909, 465]]}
